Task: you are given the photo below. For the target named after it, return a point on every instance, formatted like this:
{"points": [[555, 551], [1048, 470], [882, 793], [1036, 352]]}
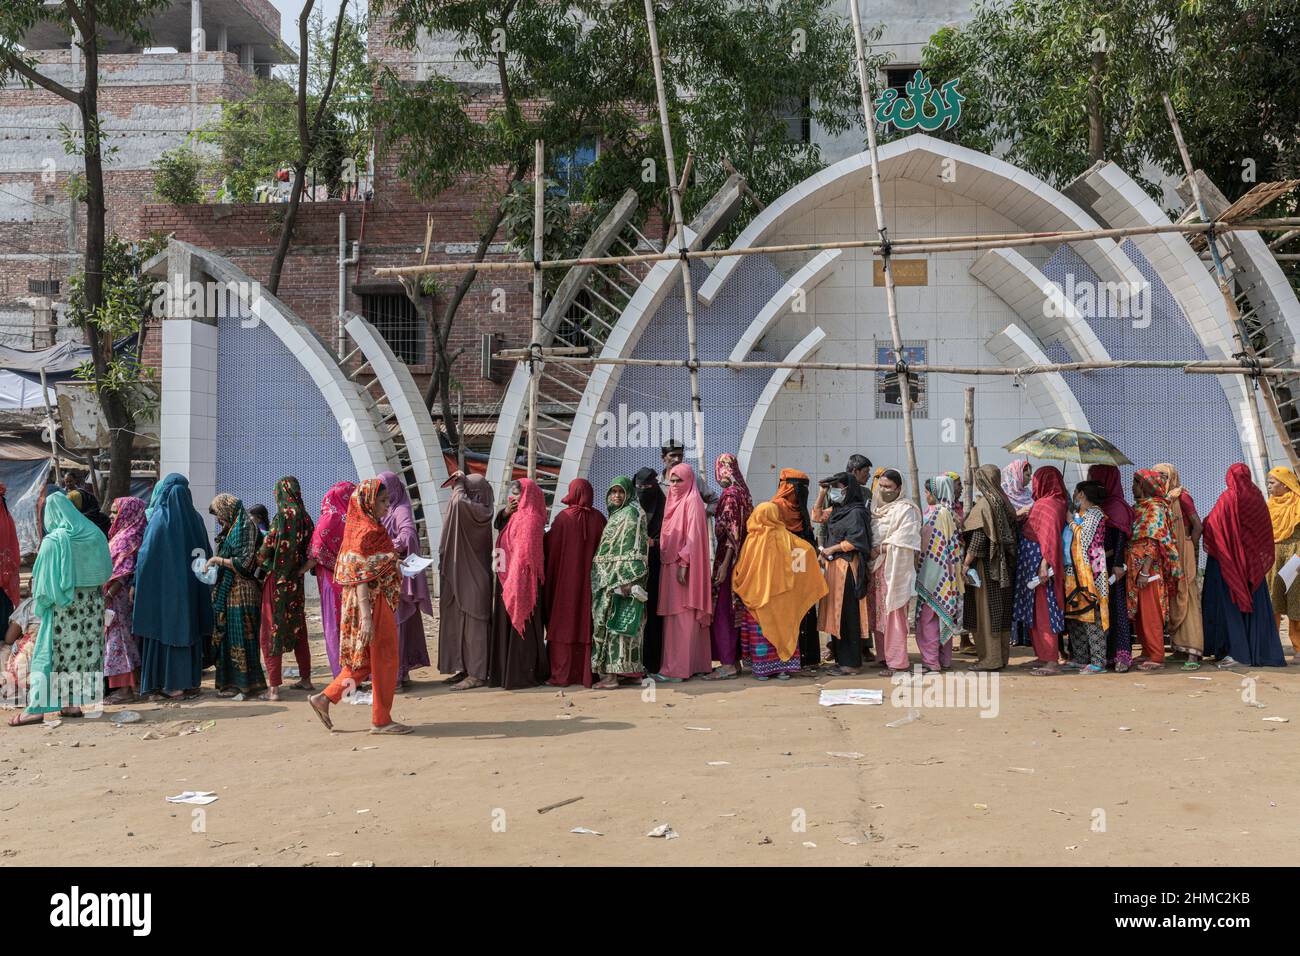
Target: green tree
{"points": [[89, 22], [1057, 85], [573, 72], [176, 176]]}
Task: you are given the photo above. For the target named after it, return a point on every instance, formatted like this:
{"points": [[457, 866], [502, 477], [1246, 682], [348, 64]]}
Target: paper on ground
{"points": [[1290, 570], [414, 564], [852, 695], [200, 797]]}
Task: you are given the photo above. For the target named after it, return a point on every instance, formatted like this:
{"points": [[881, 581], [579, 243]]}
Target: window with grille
{"points": [[401, 326]]}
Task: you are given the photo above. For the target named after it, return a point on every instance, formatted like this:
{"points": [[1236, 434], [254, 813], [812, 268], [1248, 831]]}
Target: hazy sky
{"points": [[289, 10]]}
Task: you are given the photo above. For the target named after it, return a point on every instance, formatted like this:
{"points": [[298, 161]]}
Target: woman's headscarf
{"points": [[896, 525], [523, 558], [1177, 493], [651, 498], [10, 552], [850, 521], [367, 556], [992, 513], [125, 535], [1014, 485], [684, 539], [569, 546], [172, 606], [1284, 509], [940, 583], [578, 503], [791, 500], [74, 554], [237, 541], [284, 550], [777, 577], [734, 506], [1047, 520], [465, 551], [327, 537], [1237, 535], [1119, 513], [623, 554], [1154, 520], [364, 536], [400, 523]]}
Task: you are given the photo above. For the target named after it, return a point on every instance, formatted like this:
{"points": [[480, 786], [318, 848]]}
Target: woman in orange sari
{"points": [[367, 571], [1154, 566]]}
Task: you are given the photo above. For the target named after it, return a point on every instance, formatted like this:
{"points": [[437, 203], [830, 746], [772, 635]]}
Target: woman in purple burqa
{"points": [[412, 651]]}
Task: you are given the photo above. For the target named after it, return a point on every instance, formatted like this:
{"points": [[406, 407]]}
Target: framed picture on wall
{"points": [[889, 397]]}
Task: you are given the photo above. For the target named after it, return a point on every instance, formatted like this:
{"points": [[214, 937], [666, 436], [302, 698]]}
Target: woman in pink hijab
{"points": [[399, 522], [326, 539], [685, 599], [517, 657]]}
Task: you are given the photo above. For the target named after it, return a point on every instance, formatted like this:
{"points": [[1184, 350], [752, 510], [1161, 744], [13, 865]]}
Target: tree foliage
{"points": [[1056, 85]]}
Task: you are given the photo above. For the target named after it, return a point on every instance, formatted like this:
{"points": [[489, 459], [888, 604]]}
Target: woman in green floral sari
{"points": [[619, 574]]}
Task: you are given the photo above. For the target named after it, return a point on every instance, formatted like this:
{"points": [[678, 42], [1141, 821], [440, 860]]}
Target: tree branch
{"points": [[21, 67], [334, 66]]}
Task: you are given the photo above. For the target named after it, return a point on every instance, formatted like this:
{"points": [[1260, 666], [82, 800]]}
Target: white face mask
{"points": [[836, 496]]}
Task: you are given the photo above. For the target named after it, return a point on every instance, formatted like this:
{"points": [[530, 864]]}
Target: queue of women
{"points": [[668, 581]]}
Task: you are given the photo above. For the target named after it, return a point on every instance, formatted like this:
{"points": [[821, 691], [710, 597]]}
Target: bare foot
{"points": [[25, 719], [321, 705], [272, 693]]}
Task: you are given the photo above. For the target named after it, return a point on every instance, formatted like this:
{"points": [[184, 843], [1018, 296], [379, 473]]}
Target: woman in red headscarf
{"points": [[1236, 608], [685, 595], [1154, 565], [730, 520], [569, 546], [368, 572], [517, 657], [1040, 570]]}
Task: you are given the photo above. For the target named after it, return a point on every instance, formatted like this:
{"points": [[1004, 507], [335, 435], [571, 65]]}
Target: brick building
{"points": [[151, 100]]}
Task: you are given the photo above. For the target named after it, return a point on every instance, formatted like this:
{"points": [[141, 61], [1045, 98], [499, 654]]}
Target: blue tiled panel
{"points": [[727, 396], [272, 421], [1153, 415]]}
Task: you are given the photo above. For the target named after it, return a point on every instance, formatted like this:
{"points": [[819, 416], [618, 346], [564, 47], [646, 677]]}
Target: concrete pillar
{"points": [[246, 57], [198, 42], [222, 40]]}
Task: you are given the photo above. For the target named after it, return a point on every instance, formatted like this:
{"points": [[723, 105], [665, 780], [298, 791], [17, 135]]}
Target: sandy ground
{"points": [[1154, 768]]}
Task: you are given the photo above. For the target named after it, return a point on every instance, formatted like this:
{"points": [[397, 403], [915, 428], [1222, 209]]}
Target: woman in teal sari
{"points": [[621, 565], [72, 566]]}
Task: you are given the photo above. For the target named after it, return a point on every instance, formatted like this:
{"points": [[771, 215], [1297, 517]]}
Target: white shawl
{"points": [[897, 525]]}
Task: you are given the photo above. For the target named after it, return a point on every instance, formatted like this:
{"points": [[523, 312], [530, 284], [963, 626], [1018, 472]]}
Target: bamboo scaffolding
{"points": [[535, 341], [891, 298], [915, 245], [1239, 332], [679, 234], [1266, 367], [972, 454]]}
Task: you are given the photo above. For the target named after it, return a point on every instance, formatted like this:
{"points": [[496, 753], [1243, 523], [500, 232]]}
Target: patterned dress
{"points": [[236, 603], [763, 659], [1027, 562], [284, 551], [621, 559]]}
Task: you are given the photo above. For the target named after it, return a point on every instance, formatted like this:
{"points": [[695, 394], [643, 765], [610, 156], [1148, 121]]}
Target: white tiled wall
{"points": [[189, 405]]}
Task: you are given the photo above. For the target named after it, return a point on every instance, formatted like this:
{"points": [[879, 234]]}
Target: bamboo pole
{"points": [[891, 301], [972, 461], [679, 229], [1244, 346], [932, 244], [535, 341], [1209, 366]]}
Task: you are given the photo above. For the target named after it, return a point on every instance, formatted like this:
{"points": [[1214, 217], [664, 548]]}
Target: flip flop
{"points": [[324, 717], [33, 719], [720, 674], [392, 728]]}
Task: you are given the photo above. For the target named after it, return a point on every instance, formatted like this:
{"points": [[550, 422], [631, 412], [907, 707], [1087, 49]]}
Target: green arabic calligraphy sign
{"points": [[923, 107]]}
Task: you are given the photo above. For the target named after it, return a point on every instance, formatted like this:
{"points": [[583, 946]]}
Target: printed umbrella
{"points": [[1068, 444]]}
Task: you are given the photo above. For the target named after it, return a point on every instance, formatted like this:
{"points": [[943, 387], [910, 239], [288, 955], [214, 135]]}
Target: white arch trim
{"points": [[414, 421], [1012, 192], [1121, 202], [662, 278], [1039, 302], [1053, 398], [802, 351], [800, 284]]}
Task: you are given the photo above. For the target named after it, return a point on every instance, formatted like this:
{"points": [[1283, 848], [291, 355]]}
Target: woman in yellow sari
{"points": [[1284, 509], [777, 580]]}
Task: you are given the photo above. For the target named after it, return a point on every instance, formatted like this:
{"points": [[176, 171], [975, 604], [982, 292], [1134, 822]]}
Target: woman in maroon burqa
{"points": [[1043, 529], [465, 574], [1236, 608], [570, 544], [518, 653], [729, 525], [399, 522]]}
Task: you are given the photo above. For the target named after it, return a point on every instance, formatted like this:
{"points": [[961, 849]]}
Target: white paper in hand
{"points": [[414, 564], [1289, 570]]}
